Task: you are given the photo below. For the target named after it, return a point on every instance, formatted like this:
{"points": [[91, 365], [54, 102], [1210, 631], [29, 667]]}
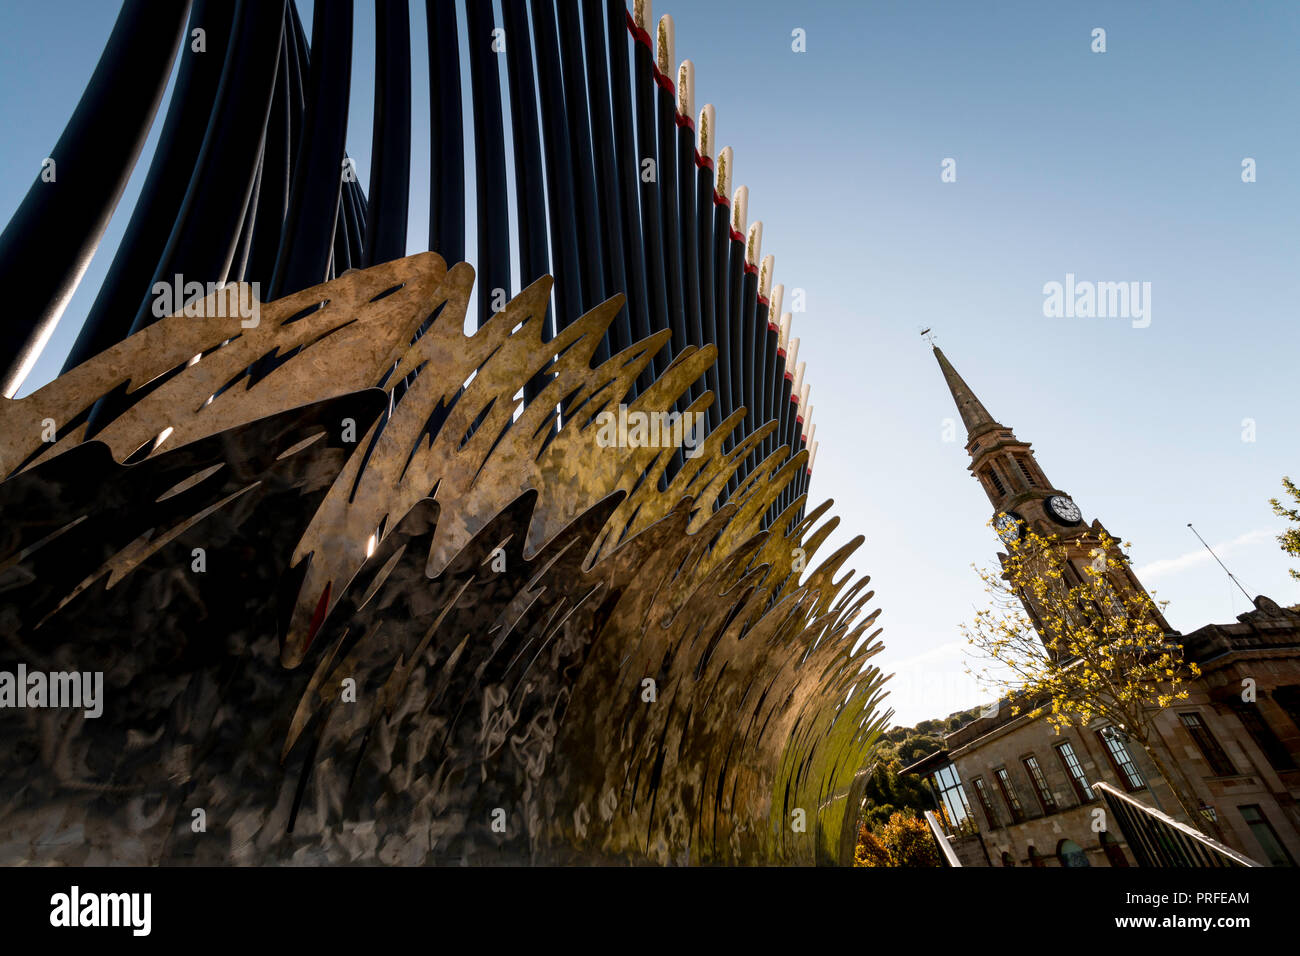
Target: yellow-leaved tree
{"points": [[1290, 538], [1093, 647]]}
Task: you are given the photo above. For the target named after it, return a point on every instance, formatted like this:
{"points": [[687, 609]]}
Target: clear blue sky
{"points": [[1122, 166]]}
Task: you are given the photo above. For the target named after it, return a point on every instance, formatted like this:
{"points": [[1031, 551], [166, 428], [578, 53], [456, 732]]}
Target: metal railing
{"points": [[1159, 840], [936, 830]]}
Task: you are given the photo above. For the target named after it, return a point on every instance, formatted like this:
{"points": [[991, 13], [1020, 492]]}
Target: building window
{"points": [[1071, 854], [986, 804], [1263, 735], [1114, 852], [1219, 763], [1024, 470], [952, 797], [1074, 771], [1040, 783], [1121, 759], [1009, 795], [1266, 835], [994, 480]]}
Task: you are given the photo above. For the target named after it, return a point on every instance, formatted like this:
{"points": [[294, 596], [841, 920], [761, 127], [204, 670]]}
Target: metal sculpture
{"points": [[365, 587]]}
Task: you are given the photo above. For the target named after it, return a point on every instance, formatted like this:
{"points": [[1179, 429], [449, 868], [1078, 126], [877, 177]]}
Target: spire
{"points": [[974, 415]]}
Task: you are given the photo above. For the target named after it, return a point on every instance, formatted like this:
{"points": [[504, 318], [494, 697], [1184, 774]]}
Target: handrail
{"points": [[1144, 828], [950, 857]]}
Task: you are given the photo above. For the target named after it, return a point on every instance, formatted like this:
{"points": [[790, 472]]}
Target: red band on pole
{"points": [[637, 33], [720, 200], [799, 419], [781, 354], [735, 236], [774, 328], [763, 301], [749, 269], [663, 81], [685, 121], [703, 161], [789, 377]]}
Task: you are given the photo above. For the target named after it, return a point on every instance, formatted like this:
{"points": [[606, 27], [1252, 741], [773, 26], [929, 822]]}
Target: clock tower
{"points": [[1021, 494]]}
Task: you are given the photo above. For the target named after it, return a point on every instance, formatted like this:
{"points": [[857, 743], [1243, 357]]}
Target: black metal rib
{"points": [[493, 266], [690, 246], [749, 340], [652, 235], [47, 245], [530, 208], [274, 174], [203, 239], [446, 134], [761, 359], [127, 280], [707, 289], [587, 211], [605, 166], [390, 144], [309, 226], [628, 170], [722, 305], [666, 108], [736, 324], [559, 170]]}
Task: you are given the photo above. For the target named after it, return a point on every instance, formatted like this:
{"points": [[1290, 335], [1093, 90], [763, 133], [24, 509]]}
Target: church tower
{"points": [[1021, 494]]}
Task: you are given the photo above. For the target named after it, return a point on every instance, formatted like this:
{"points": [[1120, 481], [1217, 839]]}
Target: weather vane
{"points": [[928, 335]]}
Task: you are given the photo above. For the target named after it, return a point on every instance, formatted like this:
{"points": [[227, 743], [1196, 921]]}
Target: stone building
{"points": [[1015, 793]]}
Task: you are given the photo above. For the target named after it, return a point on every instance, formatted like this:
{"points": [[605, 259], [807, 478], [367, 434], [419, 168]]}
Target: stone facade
{"points": [[1026, 792], [1245, 789]]}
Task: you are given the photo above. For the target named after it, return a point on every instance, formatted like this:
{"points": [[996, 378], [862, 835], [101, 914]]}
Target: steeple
{"points": [[1005, 466], [1023, 498], [974, 415]]}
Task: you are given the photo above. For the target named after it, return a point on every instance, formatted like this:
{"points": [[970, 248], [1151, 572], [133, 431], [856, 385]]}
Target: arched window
{"points": [[1114, 853], [1071, 854]]}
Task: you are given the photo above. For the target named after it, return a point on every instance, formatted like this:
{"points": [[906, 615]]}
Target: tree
{"points": [[1290, 538], [904, 840], [887, 791], [869, 852], [1096, 647]]}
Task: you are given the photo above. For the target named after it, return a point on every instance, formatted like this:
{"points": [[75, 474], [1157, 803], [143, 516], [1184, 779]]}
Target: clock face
{"points": [[1064, 510], [1008, 527]]}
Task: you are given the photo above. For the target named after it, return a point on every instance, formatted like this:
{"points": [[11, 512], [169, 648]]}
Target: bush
{"points": [[903, 841]]}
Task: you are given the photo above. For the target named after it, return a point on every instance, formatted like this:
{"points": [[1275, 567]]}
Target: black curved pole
{"points": [[605, 165], [493, 264], [559, 170], [587, 208], [390, 144], [47, 245], [446, 134], [195, 90], [309, 226], [647, 161], [707, 286], [530, 207], [629, 178], [275, 174]]}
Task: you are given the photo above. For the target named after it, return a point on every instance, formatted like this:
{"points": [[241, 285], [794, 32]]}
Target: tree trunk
{"points": [[1194, 817]]}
